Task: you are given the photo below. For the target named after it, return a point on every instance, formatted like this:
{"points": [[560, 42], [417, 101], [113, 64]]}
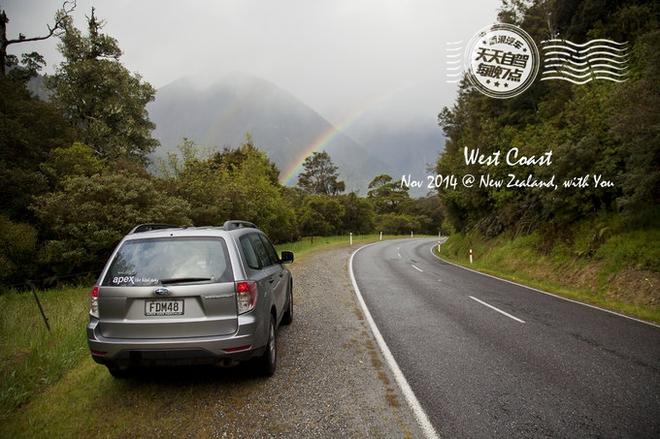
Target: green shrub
{"points": [[18, 245]]}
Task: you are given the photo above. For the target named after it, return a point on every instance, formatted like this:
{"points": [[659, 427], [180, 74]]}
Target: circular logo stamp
{"points": [[501, 60]]}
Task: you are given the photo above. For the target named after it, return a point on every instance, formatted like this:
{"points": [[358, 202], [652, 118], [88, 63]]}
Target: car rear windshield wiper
{"points": [[177, 280]]}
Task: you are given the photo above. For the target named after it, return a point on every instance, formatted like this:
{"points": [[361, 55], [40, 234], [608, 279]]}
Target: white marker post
{"points": [[439, 244], [470, 256], [350, 238], [381, 236], [411, 234]]}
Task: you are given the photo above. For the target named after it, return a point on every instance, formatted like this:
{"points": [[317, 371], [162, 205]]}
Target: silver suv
{"points": [[182, 295]]}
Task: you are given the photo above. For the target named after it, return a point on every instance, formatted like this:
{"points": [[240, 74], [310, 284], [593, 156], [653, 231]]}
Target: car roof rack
{"points": [[152, 226], [238, 224]]}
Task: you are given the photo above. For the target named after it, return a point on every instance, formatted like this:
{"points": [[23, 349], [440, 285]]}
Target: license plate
{"points": [[163, 307]]}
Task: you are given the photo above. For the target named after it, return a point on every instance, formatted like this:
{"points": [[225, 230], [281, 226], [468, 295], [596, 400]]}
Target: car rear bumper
{"points": [[184, 350]]}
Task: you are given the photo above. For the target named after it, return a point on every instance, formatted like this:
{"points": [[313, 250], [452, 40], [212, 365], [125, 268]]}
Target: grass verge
{"points": [[31, 358], [304, 246], [620, 276]]}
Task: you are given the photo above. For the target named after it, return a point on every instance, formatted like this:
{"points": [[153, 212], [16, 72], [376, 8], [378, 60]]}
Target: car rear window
{"points": [[143, 262]]}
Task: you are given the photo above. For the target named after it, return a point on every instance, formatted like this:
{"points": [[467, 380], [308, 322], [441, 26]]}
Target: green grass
{"points": [[50, 387], [620, 273], [31, 358], [308, 244]]}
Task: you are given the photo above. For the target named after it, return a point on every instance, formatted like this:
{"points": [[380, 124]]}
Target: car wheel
{"points": [[287, 318], [268, 361], [118, 372]]}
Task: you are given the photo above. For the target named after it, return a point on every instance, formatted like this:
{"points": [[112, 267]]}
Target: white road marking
{"points": [[417, 268], [498, 310], [544, 292], [398, 253], [413, 402]]}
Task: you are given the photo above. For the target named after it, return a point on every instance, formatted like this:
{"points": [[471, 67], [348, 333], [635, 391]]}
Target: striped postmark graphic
{"points": [[581, 63], [453, 61]]}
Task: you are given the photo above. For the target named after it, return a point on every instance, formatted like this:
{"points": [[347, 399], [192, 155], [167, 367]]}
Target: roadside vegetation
{"points": [[313, 243], [595, 244], [32, 358], [602, 263]]}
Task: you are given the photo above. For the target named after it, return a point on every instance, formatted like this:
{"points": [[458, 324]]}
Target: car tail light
{"points": [[94, 302], [246, 295]]}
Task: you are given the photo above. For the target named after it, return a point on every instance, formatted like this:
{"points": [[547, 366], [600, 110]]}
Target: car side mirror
{"points": [[287, 257]]}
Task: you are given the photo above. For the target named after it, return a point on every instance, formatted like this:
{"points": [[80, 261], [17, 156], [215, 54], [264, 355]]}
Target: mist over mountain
{"points": [[409, 147], [400, 127], [222, 113]]}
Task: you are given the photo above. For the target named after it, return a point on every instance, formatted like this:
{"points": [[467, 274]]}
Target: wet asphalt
{"points": [[487, 358]]}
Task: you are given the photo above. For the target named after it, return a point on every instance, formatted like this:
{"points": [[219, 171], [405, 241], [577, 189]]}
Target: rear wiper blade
{"points": [[176, 280]]}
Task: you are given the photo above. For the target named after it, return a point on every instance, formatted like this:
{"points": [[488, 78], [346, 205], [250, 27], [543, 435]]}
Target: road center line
{"points": [[498, 310], [417, 268]]}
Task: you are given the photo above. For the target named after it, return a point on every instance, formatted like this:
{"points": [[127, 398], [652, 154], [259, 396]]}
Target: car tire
{"points": [[287, 318], [268, 361], [118, 372]]}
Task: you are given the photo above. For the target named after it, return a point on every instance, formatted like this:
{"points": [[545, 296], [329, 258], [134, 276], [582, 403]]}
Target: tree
{"points": [[55, 30], [77, 159], [397, 223], [387, 195], [358, 214], [100, 97], [320, 216], [636, 124], [428, 211], [235, 183], [30, 128], [232, 158], [90, 214], [320, 175], [18, 247], [603, 128]]}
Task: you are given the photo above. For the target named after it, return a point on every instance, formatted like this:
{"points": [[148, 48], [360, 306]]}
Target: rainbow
{"points": [[322, 140]]}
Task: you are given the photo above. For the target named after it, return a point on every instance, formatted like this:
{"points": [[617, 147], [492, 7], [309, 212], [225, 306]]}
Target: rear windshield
{"points": [[169, 261]]}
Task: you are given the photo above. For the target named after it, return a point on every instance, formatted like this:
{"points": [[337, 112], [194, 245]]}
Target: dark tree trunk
{"points": [[56, 29], [3, 42]]}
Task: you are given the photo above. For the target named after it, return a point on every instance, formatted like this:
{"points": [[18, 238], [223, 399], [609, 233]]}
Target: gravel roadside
{"points": [[331, 380]]}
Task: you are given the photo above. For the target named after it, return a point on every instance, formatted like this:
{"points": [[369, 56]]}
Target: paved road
{"points": [[546, 368]]}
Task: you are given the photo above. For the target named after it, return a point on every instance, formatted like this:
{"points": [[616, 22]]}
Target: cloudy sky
{"points": [[334, 55]]}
